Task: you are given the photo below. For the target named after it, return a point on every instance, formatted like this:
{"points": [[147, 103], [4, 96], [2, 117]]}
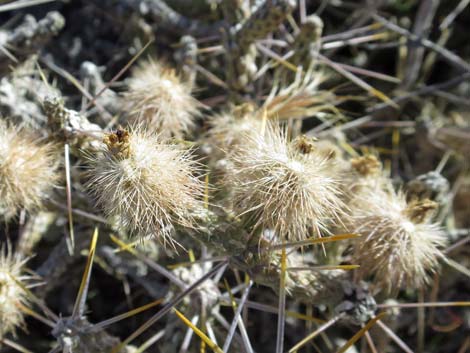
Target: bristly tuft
{"points": [[11, 292], [229, 127], [28, 170], [285, 186], [160, 100], [399, 247], [147, 186]]}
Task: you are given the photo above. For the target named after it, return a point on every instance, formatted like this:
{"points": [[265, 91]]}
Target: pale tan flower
{"points": [[284, 186], [160, 100], [28, 170], [147, 186], [399, 245]]}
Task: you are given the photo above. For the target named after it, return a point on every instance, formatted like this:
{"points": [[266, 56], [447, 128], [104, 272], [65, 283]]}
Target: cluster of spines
{"points": [[28, 170], [284, 186], [12, 292], [146, 184], [297, 189], [160, 100], [400, 246]]}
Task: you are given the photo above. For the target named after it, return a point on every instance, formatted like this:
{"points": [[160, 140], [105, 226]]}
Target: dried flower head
{"points": [[399, 244], [364, 174], [367, 165], [11, 293], [145, 185], [28, 170], [158, 98], [229, 128], [285, 186]]}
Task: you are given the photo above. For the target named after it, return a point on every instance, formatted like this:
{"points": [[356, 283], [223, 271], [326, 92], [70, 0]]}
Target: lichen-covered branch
{"points": [[29, 37], [251, 254], [163, 16], [240, 40]]}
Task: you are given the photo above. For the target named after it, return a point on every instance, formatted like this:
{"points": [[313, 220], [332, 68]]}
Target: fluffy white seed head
{"points": [[285, 186], [11, 293], [28, 170], [145, 185], [160, 100], [399, 246], [229, 128]]}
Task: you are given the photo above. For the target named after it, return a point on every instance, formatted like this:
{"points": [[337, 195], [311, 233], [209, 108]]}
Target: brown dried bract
{"points": [[118, 143], [421, 211], [367, 165], [304, 144]]}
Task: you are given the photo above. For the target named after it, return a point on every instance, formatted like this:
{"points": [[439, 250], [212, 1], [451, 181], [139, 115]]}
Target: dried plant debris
{"points": [[264, 176]]}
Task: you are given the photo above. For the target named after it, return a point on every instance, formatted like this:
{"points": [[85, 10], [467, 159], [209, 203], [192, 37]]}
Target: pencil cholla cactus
{"points": [[12, 295], [28, 170], [399, 246], [146, 185], [160, 100], [286, 186]]}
